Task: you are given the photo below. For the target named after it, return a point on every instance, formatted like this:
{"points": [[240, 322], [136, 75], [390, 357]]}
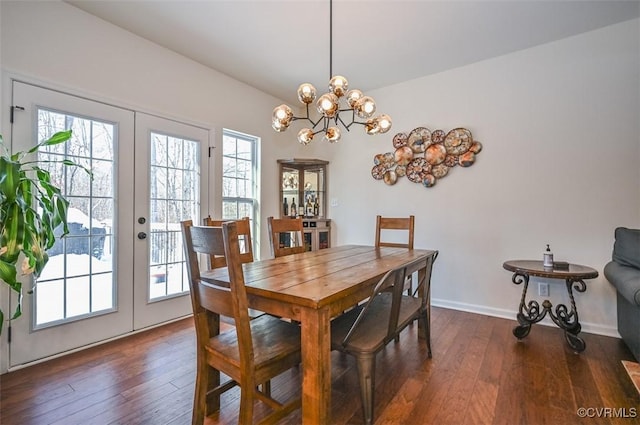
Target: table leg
{"points": [[528, 313], [316, 366], [567, 320], [422, 275]]}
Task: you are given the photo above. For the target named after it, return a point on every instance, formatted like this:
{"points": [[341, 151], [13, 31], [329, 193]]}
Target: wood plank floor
{"points": [[479, 374]]}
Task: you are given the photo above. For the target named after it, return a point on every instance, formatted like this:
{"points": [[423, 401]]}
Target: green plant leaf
{"points": [[62, 205], [70, 163], [9, 178], [50, 189], [8, 275], [18, 312], [56, 139], [13, 235]]}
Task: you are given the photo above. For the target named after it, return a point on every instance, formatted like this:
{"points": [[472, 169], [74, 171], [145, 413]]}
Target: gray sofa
{"points": [[624, 274]]}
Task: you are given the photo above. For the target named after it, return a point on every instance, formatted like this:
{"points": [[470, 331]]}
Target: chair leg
{"points": [[200, 396], [213, 399], [245, 417], [366, 376]]}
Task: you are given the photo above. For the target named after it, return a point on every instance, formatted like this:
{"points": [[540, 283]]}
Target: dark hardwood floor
{"points": [[479, 374]]}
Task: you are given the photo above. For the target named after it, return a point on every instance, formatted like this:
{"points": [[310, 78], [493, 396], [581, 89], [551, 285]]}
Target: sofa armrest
{"points": [[626, 281]]}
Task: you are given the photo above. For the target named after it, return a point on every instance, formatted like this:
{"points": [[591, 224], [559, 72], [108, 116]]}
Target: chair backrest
{"points": [[385, 292], [244, 239], [210, 300], [395, 223], [387, 302], [286, 236]]}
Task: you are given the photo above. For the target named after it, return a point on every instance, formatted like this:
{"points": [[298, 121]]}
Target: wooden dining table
{"points": [[313, 287]]}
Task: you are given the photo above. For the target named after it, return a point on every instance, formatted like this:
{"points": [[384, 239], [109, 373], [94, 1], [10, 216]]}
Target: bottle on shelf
{"points": [[294, 209], [316, 207], [547, 258], [285, 208], [308, 207]]}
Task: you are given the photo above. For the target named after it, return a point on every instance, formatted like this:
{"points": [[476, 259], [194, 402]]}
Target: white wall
{"points": [[559, 126]]}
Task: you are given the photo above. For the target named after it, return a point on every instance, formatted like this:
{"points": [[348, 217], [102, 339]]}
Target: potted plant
{"points": [[32, 210]]}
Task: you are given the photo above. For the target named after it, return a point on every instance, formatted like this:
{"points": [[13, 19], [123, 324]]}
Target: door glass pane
{"points": [[174, 188], [78, 279]]}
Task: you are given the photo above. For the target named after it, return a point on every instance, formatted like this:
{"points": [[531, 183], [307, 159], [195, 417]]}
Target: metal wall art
{"points": [[424, 156]]}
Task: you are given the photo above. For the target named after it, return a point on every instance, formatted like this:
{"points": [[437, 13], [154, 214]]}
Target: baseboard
{"points": [[592, 328]]}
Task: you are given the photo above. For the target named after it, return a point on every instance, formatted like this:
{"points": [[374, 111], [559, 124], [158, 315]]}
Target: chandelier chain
{"points": [[330, 39]]}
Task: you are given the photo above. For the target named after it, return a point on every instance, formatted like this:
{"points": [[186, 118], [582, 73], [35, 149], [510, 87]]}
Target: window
{"points": [[239, 181]]}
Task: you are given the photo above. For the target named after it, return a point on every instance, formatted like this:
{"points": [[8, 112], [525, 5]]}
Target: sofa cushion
{"points": [[626, 249]]}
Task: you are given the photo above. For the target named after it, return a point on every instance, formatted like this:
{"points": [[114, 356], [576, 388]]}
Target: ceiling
{"points": [[276, 45]]}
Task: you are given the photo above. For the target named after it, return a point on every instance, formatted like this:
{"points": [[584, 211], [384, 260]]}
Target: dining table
{"points": [[312, 288]]}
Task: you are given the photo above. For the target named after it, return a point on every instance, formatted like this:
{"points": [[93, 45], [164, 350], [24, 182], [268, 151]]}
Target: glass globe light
{"points": [[353, 96], [328, 105], [372, 126], [365, 107], [333, 134], [338, 85], [283, 113], [305, 136], [279, 125], [384, 121], [306, 93]]}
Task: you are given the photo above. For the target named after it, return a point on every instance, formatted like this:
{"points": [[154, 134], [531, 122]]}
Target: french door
{"points": [[169, 188], [120, 268]]}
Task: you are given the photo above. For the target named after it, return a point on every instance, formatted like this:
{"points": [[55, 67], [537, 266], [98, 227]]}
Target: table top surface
{"points": [[318, 278], [535, 268]]}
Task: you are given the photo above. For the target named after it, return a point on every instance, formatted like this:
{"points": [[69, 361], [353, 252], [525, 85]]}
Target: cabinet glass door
{"points": [[289, 199], [302, 188], [323, 239]]}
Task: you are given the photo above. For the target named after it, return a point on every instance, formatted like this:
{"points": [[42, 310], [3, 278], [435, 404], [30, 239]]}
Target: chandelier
{"points": [[340, 106]]}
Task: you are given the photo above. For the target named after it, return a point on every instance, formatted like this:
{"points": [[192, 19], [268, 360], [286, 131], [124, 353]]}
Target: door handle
{"points": [[142, 235]]}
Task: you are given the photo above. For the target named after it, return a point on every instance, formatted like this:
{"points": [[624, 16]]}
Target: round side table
{"points": [[532, 312]]}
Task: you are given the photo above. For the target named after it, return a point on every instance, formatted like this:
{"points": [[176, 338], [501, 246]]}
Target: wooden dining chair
{"points": [[395, 225], [246, 247], [244, 239], [286, 236], [251, 353], [367, 329]]}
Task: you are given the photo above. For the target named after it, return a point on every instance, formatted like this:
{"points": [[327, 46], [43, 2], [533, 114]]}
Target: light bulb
{"points": [[365, 107], [372, 126], [327, 105], [338, 85], [305, 136], [306, 93], [384, 122], [283, 113], [333, 134], [279, 126], [353, 96]]}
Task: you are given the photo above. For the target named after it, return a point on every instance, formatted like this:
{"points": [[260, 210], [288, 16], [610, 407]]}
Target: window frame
{"points": [[251, 201]]}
